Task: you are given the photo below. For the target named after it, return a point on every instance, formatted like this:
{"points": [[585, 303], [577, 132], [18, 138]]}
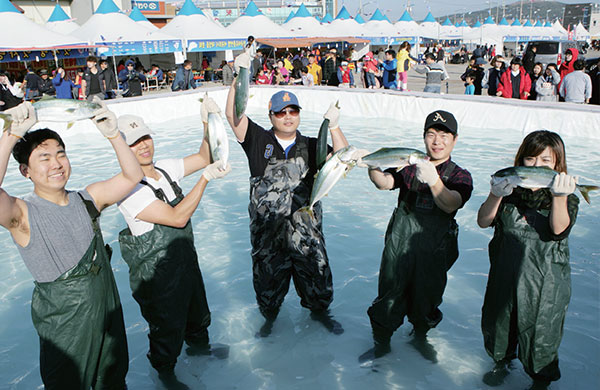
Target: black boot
{"points": [[422, 345], [539, 384], [495, 377], [270, 317], [325, 318], [381, 340]]}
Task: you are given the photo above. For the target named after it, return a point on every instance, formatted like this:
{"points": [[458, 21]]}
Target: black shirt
{"points": [[260, 145], [516, 85], [94, 83], [33, 81], [8, 98]]}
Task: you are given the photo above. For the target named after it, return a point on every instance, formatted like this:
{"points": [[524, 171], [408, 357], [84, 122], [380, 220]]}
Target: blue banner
{"points": [[384, 41], [42, 55], [215, 44], [123, 48]]}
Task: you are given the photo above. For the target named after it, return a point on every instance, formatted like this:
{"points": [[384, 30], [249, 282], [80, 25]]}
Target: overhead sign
{"points": [[140, 47], [215, 44], [41, 55], [150, 7]]}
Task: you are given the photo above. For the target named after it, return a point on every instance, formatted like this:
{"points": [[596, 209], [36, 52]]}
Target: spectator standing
{"points": [[63, 85], [45, 86], [469, 87], [31, 84], [344, 75], [371, 70], [93, 80], [514, 82], [529, 58], [184, 77], [491, 78], [546, 86], [538, 70], [441, 54], [330, 69], [262, 78], [110, 81], [315, 69], [595, 77], [434, 72], [390, 67], [131, 80], [566, 66], [403, 65], [307, 79], [479, 73], [8, 93], [576, 87]]}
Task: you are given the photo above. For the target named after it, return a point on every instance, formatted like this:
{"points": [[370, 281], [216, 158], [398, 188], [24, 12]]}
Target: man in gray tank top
{"points": [[75, 306]]}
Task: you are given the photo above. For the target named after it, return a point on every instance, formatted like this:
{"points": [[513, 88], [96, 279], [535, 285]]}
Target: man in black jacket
{"points": [[110, 81], [45, 86]]}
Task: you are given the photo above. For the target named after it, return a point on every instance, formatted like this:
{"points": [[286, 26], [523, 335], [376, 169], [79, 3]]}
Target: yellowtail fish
{"points": [[393, 158], [333, 170], [242, 86], [217, 139], [537, 177], [64, 110], [7, 118]]}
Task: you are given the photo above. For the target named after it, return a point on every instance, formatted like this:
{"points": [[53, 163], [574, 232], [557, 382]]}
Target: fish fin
{"points": [[250, 96], [337, 104], [7, 118], [71, 110], [47, 97], [70, 124], [584, 189]]}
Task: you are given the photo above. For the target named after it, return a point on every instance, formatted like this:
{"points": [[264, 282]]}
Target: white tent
{"points": [[253, 22], [137, 16], [344, 26], [129, 39], [406, 26], [581, 34], [60, 22], [303, 24], [19, 32], [430, 28], [378, 25]]}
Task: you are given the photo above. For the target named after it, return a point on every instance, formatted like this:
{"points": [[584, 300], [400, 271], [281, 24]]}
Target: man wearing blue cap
{"points": [[285, 243]]}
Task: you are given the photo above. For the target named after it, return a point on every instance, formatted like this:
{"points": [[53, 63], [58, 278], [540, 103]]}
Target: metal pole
{"points": [[115, 68]]}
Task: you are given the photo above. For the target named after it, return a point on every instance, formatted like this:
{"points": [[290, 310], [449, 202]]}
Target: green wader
{"points": [[421, 244], [166, 282], [286, 243], [80, 323], [528, 291]]}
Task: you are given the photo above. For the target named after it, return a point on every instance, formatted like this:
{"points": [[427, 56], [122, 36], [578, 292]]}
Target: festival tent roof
{"points": [[343, 14], [528, 24], [303, 24], [430, 28], [406, 25], [128, 38], [60, 22], [137, 16], [447, 22], [516, 23], [290, 16], [379, 26], [581, 34], [405, 17], [253, 22], [191, 23], [345, 26], [503, 22], [548, 24], [429, 18], [21, 33], [538, 24], [377, 16], [477, 24], [489, 20], [327, 18], [359, 19]]}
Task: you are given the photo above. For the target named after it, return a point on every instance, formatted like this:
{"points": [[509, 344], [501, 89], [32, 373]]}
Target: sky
{"points": [[394, 8]]}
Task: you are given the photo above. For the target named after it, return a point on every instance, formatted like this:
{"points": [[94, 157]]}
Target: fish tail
{"points": [[307, 209], [7, 118], [585, 189]]}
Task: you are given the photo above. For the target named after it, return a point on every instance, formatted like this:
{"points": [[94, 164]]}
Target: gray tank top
{"points": [[59, 235]]}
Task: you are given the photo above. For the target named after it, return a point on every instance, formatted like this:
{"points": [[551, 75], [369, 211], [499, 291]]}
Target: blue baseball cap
{"points": [[281, 100]]}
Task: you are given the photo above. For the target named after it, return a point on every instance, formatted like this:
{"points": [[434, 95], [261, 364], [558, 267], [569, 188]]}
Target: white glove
{"points": [[426, 172], [23, 118], [105, 120], [209, 106], [563, 185], [242, 61], [501, 187], [357, 155], [214, 171], [333, 114]]}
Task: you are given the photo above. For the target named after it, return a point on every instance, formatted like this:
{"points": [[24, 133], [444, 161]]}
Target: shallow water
{"points": [[301, 354]]}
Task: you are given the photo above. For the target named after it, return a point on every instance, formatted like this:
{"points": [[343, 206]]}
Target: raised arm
{"points": [[488, 209], [159, 212], [201, 159], [108, 192], [337, 137], [238, 125], [447, 200], [12, 210], [382, 180]]}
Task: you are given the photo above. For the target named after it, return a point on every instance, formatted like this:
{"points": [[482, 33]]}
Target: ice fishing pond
{"points": [[300, 353]]}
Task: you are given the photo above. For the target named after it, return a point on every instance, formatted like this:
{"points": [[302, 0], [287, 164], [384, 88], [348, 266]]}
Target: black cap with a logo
{"points": [[442, 120]]}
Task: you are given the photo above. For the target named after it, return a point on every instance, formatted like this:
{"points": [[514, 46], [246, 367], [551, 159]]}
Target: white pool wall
{"points": [[476, 112]]}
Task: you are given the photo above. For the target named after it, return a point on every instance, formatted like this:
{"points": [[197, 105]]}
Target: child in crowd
{"points": [[469, 86], [262, 78]]}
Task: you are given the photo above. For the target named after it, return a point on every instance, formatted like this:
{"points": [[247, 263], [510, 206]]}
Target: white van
{"points": [[551, 52]]}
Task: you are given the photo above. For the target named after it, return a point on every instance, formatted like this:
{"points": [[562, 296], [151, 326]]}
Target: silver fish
{"points": [[217, 139], [536, 177], [332, 171], [393, 158], [242, 86], [7, 118], [64, 110]]}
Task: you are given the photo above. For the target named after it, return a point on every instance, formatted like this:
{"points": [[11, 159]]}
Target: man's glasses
{"points": [[292, 111]]}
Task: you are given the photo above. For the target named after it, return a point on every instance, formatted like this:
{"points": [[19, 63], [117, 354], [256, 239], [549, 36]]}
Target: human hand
{"points": [[209, 106], [357, 155], [333, 114], [499, 93], [214, 171], [23, 118], [501, 187], [563, 185], [105, 120], [242, 61], [426, 172]]}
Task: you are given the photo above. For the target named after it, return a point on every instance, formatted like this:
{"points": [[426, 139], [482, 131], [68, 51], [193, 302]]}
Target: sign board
{"points": [[140, 47], [215, 44], [150, 7], [42, 55]]}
